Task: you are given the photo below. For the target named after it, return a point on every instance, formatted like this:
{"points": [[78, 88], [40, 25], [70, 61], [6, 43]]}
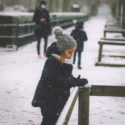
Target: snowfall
{"points": [[20, 72]]}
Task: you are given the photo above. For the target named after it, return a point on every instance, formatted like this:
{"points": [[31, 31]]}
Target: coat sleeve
{"points": [[49, 28], [35, 16], [53, 73]]}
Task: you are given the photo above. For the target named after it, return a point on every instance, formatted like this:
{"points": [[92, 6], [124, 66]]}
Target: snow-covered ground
{"points": [[20, 71]]}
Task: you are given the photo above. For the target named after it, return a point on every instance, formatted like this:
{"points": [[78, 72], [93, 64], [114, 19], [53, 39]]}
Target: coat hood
{"points": [[52, 49]]}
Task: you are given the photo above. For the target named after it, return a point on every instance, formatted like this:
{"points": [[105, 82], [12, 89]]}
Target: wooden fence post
{"points": [[83, 111], [100, 52]]}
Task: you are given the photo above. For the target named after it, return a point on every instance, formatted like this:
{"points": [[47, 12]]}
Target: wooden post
{"points": [[83, 111], [104, 34], [100, 52]]}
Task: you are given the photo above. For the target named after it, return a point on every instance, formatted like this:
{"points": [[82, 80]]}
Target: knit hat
{"points": [[64, 41]]}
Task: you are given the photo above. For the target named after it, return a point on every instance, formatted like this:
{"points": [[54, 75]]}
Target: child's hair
{"points": [[62, 58]]}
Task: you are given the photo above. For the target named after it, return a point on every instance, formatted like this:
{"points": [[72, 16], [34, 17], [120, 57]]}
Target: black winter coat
{"points": [[42, 28], [54, 85], [80, 36]]}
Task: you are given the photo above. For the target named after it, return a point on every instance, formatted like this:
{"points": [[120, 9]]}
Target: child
{"points": [[80, 36], [54, 85]]}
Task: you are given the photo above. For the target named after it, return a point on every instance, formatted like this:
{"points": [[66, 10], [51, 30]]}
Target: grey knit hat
{"points": [[64, 41]]}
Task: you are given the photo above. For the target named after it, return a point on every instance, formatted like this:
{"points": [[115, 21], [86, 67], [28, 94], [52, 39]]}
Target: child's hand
{"points": [[81, 82], [78, 77]]}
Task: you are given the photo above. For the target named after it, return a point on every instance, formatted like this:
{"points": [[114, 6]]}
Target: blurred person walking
{"points": [[43, 26], [80, 36]]}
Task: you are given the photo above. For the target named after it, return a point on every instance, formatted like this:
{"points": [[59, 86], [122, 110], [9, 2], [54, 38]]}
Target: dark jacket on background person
{"points": [[80, 36], [42, 28], [54, 85]]}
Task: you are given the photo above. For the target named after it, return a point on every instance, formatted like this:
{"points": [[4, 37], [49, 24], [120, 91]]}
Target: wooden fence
{"points": [[83, 94], [100, 52]]}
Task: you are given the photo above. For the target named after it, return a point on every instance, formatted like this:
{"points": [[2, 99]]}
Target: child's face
{"points": [[68, 53]]}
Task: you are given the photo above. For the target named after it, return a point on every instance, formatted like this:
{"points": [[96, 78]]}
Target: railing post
{"points": [[100, 52], [104, 34], [83, 111]]}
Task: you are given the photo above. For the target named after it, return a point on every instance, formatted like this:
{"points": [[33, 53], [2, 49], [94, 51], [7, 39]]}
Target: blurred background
{"points": [[60, 5]]}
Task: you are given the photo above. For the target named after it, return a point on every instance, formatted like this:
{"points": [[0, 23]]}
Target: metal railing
{"points": [[18, 33]]}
